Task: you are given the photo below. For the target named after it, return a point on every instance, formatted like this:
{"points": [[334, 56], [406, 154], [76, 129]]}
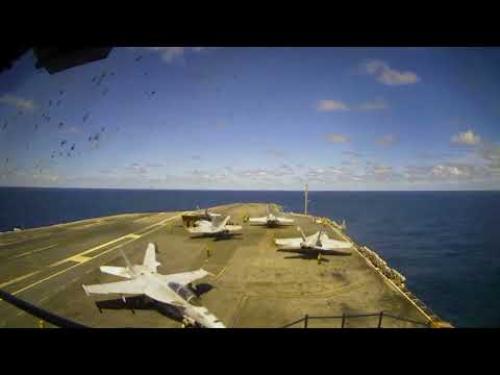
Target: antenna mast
{"points": [[305, 199]]}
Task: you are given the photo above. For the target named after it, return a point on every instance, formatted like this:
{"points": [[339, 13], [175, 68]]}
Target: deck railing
{"points": [[307, 319]]}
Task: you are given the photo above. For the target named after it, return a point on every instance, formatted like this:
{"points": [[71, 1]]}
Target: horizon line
{"points": [[239, 190]]}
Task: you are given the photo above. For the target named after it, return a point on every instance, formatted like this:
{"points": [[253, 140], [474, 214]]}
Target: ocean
{"points": [[445, 243]]}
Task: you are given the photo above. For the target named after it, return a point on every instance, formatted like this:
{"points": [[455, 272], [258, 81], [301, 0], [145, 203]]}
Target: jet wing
{"points": [[258, 220], [233, 228], [284, 220], [334, 244], [117, 271], [185, 278], [163, 295], [289, 243], [135, 286], [219, 227], [202, 226]]}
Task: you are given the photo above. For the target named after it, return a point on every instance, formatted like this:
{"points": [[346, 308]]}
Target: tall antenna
{"points": [[305, 200]]}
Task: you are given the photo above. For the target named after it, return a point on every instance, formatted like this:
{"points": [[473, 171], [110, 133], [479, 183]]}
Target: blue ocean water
{"points": [[445, 243]]}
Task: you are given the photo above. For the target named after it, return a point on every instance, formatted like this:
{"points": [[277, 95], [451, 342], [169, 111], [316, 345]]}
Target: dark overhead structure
{"points": [[54, 59], [57, 59], [9, 55]]}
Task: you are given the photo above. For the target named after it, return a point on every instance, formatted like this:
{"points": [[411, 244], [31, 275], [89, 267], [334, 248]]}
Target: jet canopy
{"points": [[184, 292]]}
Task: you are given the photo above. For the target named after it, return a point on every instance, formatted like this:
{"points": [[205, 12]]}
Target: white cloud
{"points": [[330, 105], [136, 168], [16, 101], [387, 140], [388, 76], [45, 177], [446, 171], [373, 105], [170, 54], [337, 138], [466, 138]]}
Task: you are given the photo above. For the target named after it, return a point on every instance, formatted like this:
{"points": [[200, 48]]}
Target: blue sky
{"points": [[256, 118]]}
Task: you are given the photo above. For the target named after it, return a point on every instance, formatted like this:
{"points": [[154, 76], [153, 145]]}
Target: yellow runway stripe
{"points": [[18, 279], [106, 244], [81, 259], [70, 268], [33, 251]]}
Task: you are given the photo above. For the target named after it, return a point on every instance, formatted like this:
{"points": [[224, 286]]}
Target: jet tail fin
{"points": [[150, 258], [318, 240], [223, 222], [127, 262], [302, 233]]}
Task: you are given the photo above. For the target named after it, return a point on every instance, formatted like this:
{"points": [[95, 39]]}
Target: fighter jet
{"points": [[172, 290], [216, 228], [208, 216], [270, 220], [316, 244]]}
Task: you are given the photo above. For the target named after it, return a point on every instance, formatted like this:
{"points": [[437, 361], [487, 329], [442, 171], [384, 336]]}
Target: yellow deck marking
{"points": [[69, 268], [221, 272], [18, 279], [82, 259], [33, 251], [83, 226], [106, 244]]}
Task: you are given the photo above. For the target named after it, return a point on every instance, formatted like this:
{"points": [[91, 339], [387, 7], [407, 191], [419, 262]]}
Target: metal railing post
{"points": [[306, 320], [380, 319], [343, 320]]}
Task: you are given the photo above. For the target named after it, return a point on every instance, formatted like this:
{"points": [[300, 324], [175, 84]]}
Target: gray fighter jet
{"points": [[270, 220], [172, 289], [215, 228], [316, 244]]}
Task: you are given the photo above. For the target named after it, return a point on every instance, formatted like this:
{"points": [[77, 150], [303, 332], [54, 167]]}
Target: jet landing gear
{"points": [[189, 323], [319, 258]]}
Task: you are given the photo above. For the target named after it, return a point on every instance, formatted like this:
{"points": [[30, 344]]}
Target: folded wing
{"points": [[185, 278], [135, 286], [335, 244], [117, 271], [289, 243], [257, 220]]}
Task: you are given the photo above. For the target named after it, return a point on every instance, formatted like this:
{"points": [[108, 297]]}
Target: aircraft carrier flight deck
{"points": [[251, 285]]}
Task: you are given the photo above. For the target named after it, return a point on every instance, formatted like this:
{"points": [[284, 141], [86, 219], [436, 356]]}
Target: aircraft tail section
{"points": [[304, 238], [129, 265], [150, 258], [223, 223]]}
